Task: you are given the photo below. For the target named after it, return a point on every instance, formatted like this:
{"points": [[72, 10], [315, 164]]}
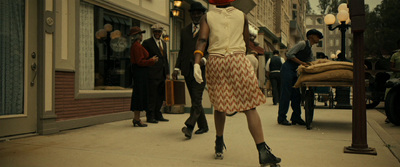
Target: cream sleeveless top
{"points": [[226, 31]]}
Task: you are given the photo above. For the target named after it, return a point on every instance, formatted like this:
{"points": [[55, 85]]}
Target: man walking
{"points": [[273, 69], [185, 62], [157, 74]]}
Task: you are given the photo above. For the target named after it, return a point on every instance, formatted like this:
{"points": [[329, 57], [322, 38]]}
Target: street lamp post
{"points": [[342, 93], [359, 133]]}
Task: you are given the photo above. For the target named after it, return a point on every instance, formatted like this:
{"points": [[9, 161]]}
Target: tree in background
{"points": [[323, 5], [382, 30], [372, 32], [309, 10], [333, 7]]}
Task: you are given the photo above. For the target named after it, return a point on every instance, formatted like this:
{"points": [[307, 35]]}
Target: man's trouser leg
{"points": [[288, 77], [196, 111]]}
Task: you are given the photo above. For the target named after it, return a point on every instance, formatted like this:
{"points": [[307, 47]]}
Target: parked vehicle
{"points": [[377, 73], [392, 101], [375, 92]]}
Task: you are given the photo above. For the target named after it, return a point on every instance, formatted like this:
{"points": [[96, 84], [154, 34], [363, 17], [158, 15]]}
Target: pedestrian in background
{"points": [[231, 82], [299, 54], [140, 62], [273, 72], [157, 74], [252, 56], [184, 63], [395, 67], [395, 62]]}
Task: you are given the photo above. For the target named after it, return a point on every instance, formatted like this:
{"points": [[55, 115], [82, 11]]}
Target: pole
{"points": [[343, 93], [343, 28], [359, 133]]}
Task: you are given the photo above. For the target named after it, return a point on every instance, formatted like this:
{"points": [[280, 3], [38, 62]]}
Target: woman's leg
{"points": [[136, 115], [136, 119], [265, 156], [219, 120], [255, 127]]}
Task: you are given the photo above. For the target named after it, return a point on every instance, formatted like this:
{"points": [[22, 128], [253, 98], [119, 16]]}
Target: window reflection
{"points": [[112, 66]]}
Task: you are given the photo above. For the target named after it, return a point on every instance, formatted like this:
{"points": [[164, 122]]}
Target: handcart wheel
{"points": [[392, 108]]}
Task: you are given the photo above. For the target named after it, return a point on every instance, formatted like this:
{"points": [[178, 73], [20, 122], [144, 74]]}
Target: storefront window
{"points": [[112, 53], [105, 49]]}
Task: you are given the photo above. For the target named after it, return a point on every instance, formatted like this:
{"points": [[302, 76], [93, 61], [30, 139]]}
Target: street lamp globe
{"points": [[348, 21], [342, 16], [329, 19], [343, 6], [333, 56]]}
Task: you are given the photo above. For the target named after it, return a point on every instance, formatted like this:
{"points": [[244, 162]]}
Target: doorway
{"points": [[18, 67]]}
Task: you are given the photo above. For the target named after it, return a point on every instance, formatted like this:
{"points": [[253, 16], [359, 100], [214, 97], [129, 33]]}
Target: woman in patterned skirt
{"points": [[231, 82]]}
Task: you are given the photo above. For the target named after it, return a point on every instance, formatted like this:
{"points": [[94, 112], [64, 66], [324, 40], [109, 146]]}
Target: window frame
{"points": [[141, 16]]}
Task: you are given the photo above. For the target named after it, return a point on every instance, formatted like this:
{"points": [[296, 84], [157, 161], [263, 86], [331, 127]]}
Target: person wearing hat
{"points": [[231, 80], [157, 74], [184, 63], [140, 62], [299, 54]]}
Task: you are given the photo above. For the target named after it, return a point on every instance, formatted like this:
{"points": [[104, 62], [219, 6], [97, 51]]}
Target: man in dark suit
{"points": [[184, 63], [157, 74]]}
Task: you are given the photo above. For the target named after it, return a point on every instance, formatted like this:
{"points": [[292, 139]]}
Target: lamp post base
{"points": [[352, 150]]}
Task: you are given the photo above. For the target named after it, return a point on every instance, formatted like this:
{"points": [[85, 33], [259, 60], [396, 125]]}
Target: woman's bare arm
{"points": [[203, 38]]}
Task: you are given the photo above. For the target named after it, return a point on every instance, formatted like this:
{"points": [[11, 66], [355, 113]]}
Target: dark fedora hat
{"points": [[197, 6], [315, 32], [135, 30]]}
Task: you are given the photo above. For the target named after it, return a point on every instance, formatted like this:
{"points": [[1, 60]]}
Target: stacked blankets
{"points": [[325, 70]]}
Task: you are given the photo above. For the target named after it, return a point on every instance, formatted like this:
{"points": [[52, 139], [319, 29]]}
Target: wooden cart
{"points": [[309, 97]]}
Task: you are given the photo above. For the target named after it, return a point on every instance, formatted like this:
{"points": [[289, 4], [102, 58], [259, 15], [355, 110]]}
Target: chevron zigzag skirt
{"points": [[232, 83]]}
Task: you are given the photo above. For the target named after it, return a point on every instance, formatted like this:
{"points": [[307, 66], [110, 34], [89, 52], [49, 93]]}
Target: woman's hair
{"points": [[135, 37]]}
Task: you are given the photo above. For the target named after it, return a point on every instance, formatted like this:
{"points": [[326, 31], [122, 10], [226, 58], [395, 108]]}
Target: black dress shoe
{"points": [[162, 120], [188, 132], [284, 122], [201, 131], [152, 121], [300, 122]]}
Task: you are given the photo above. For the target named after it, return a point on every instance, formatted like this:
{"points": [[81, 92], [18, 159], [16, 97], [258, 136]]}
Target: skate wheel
{"points": [[219, 156]]}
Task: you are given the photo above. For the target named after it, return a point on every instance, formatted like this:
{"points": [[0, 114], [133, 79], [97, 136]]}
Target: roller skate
{"points": [[266, 157], [219, 147]]}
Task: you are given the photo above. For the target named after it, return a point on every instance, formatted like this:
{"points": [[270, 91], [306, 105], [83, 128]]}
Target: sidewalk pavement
{"points": [[118, 144]]}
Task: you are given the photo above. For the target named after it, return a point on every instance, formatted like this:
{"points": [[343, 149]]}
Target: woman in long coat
{"points": [[140, 61]]}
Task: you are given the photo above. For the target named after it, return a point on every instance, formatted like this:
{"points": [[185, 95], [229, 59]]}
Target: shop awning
{"points": [[269, 34]]}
